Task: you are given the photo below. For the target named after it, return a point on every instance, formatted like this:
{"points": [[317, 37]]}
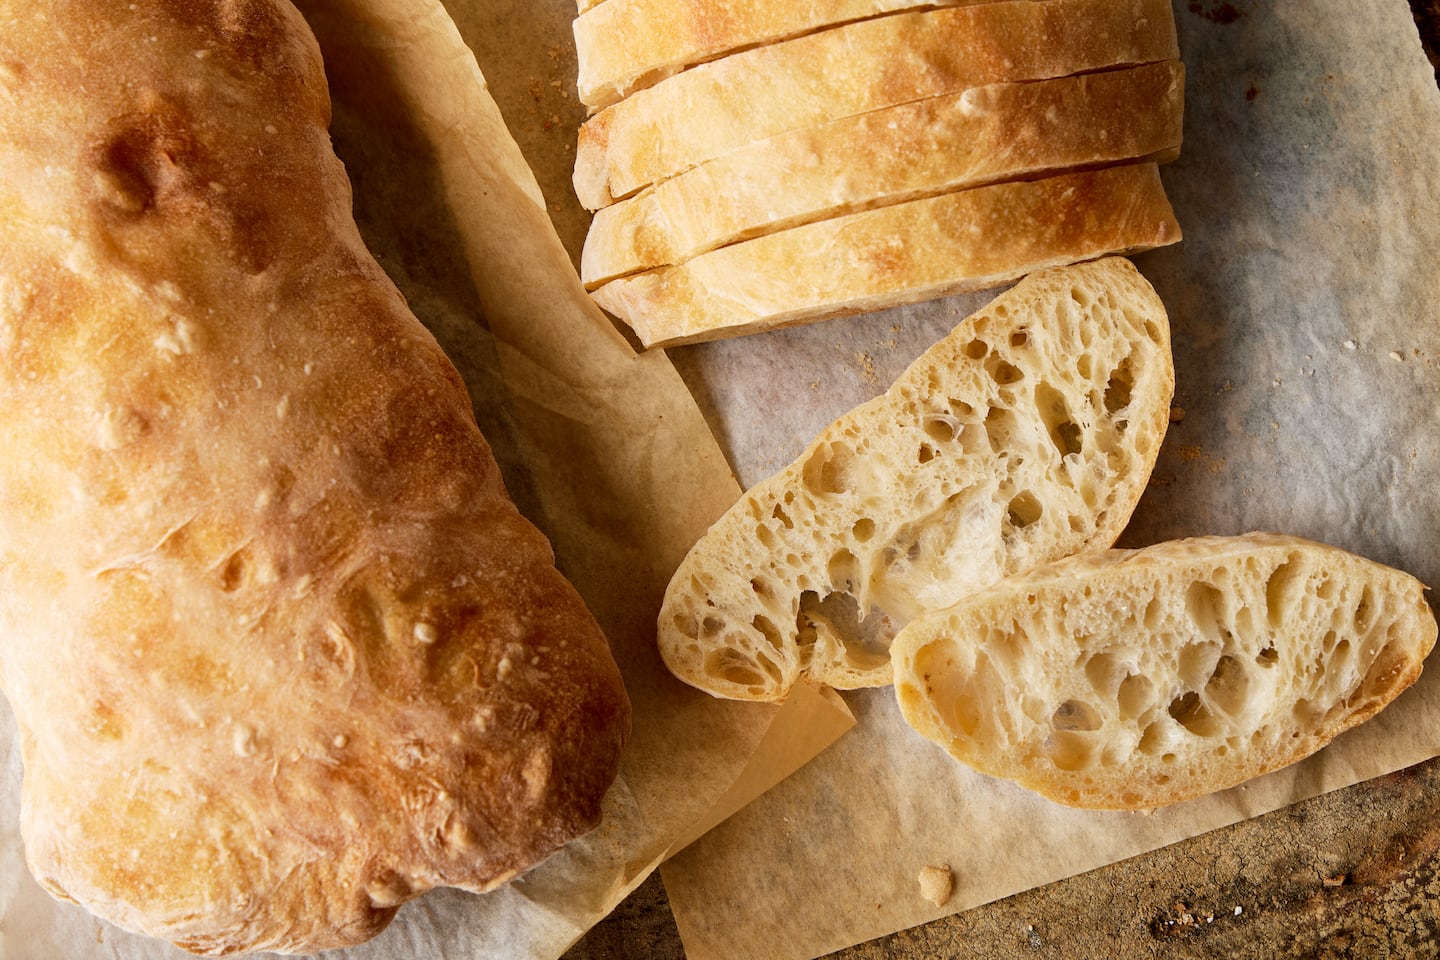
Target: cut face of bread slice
{"points": [[987, 134], [714, 108], [614, 63], [1134, 679], [1027, 434], [905, 253]]}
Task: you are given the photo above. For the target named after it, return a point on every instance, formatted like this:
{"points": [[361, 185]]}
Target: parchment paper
{"points": [[604, 450], [1303, 304]]}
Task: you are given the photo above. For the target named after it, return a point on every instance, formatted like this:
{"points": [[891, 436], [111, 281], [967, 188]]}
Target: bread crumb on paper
{"points": [[937, 884]]}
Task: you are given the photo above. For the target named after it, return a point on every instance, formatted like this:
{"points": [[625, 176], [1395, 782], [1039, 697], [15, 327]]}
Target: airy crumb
{"points": [[936, 884]]}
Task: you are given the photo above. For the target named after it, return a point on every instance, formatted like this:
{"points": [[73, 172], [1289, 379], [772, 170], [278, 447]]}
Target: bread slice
{"points": [[627, 45], [1026, 434], [1007, 131], [1137, 678], [905, 253], [714, 108]]}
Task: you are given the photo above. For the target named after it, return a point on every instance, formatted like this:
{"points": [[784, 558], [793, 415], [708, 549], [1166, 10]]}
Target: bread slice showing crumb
{"points": [[903, 253], [1026, 434], [1134, 679], [1005, 131], [720, 106], [628, 45]]}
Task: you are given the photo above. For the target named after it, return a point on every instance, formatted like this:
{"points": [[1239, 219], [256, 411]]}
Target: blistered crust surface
{"points": [[281, 651]]}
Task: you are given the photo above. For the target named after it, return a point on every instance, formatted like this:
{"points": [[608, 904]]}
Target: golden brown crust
{"points": [[712, 109], [1007, 131], [630, 44], [282, 652], [904, 253]]}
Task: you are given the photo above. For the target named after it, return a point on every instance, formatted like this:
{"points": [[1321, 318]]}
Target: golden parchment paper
{"points": [[605, 450], [1305, 308]]}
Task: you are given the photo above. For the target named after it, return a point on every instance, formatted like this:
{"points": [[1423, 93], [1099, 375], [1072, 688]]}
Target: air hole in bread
{"points": [[1119, 387], [779, 514], [926, 454], [1070, 750], [1135, 695], [766, 536], [999, 427], [1228, 689], [865, 639], [1024, 509], [960, 408], [1196, 664], [941, 428], [730, 666], [1076, 715], [1064, 433], [1019, 338], [687, 625], [1190, 712], [768, 630], [1105, 671], [843, 570], [1003, 372], [1282, 591], [863, 530], [1364, 611], [977, 349], [825, 473], [1205, 605], [711, 626], [1267, 657]]}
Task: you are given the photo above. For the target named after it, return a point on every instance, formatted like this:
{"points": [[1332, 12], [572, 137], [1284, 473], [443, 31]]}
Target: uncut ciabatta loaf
{"points": [[720, 106], [1026, 434], [627, 45], [281, 652], [903, 253], [1132, 679], [1008, 131]]}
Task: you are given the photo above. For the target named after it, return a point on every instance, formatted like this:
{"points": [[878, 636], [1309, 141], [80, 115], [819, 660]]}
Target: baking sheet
{"points": [[593, 442], [1303, 306]]}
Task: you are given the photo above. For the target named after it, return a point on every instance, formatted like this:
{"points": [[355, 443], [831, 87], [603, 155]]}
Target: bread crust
{"points": [[1132, 679], [903, 253], [281, 651], [720, 106], [1026, 434], [984, 135], [628, 45]]}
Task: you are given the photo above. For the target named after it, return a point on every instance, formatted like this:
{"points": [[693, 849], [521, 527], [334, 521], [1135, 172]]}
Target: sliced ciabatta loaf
{"points": [[903, 253], [1026, 434], [627, 45], [1007, 131], [720, 106], [1133, 679]]}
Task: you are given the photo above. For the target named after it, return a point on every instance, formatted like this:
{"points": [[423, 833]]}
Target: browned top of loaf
{"points": [[282, 652]]}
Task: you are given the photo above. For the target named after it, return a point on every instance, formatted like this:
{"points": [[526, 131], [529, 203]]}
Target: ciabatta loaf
{"points": [[1132, 679], [720, 106], [904, 253], [987, 134], [627, 45], [1025, 435], [281, 651]]}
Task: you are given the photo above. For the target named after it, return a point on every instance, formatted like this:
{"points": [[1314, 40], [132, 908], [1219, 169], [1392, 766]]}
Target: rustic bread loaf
{"points": [[904, 253], [281, 651], [1132, 679], [720, 106], [627, 45], [987, 134], [1025, 435]]}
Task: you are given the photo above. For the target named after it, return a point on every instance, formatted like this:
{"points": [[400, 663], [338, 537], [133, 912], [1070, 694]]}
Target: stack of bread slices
{"points": [[754, 164]]}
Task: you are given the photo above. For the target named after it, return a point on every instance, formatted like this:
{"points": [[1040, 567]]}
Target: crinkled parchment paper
{"points": [[1305, 305], [604, 450]]}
